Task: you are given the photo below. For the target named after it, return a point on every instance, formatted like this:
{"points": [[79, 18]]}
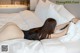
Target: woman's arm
{"points": [[61, 26], [56, 35], [74, 20]]}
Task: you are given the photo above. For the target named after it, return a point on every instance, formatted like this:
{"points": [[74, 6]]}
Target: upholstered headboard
{"points": [[33, 4], [73, 8]]}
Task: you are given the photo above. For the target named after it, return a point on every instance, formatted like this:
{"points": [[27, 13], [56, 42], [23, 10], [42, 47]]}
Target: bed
{"points": [[26, 20]]}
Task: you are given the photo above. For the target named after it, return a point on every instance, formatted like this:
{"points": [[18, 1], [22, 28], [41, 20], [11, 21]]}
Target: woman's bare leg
{"points": [[10, 31]]}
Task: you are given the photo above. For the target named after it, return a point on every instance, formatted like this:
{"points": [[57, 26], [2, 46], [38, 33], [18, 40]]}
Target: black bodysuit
{"points": [[31, 34]]}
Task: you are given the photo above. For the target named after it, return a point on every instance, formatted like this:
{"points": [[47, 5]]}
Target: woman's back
{"points": [[31, 34]]}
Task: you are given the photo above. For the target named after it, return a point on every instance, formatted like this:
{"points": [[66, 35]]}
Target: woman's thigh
{"points": [[10, 31]]}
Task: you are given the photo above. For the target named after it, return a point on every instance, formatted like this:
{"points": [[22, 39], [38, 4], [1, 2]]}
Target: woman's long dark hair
{"points": [[43, 32], [47, 29]]}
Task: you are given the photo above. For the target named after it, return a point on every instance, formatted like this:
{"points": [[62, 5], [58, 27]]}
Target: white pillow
{"points": [[70, 34], [41, 10], [77, 36], [31, 19], [56, 6], [61, 9], [52, 13], [65, 13]]}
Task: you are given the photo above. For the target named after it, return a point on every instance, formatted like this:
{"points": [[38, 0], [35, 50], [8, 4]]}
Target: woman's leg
{"points": [[10, 31]]}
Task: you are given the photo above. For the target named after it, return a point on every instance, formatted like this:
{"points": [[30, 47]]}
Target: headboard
{"points": [[73, 8]]}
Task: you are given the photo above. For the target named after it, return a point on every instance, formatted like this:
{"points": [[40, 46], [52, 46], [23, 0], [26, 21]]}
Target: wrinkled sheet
{"points": [[43, 46], [24, 19]]}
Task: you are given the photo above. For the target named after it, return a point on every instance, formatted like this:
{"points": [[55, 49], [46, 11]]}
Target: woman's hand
{"points": [[75, 20]]}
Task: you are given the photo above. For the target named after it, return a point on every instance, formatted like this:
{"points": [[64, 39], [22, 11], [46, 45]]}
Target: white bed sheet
{"points": [[44, 46]]}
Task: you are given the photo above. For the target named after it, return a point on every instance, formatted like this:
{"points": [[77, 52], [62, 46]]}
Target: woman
{"points": [[12, 31]]}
